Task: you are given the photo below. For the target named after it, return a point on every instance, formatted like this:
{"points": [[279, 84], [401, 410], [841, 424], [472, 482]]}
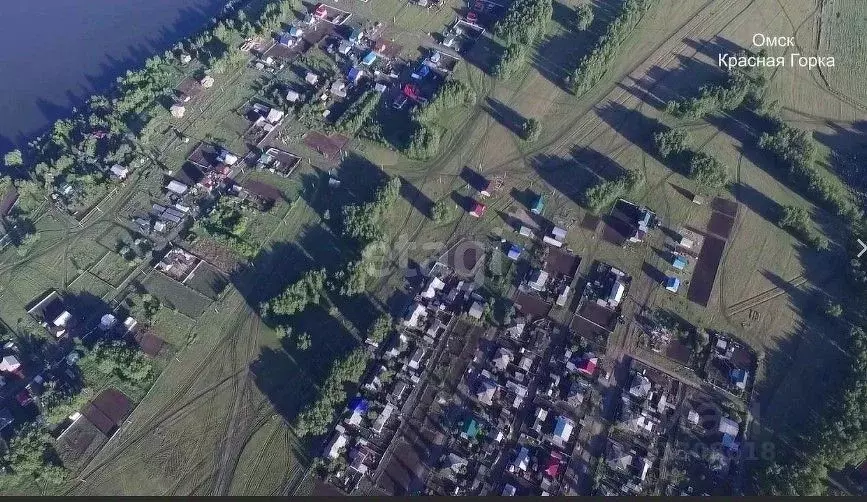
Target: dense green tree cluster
{"points": [[310, 288], [355, 116], [797, 220], [380, 328], [31, 454], [425, 139], [316, 417], [364, 223], [227, 223], [740, 86], [57, 401], [523, 25], [796, 150], [704, 169], [840, 439], [440, 210], [600, 196], [593, 66], [118, 359]]}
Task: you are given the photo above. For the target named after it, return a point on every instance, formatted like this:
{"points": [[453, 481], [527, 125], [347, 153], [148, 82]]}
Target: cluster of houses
{"points": [[356, 446], [25, 376]]}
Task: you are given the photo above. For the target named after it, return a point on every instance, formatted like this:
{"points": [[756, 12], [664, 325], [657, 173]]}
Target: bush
{"points": [[531, 129], [440, 210], [671, 143], [13, 158], [380, 329], [310, 288], [360, 111]]}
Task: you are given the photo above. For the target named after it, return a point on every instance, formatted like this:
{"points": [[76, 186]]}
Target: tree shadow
{"points": [[504, 115]]}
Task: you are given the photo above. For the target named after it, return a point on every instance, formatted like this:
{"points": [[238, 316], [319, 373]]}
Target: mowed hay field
{"points": [[844, 23]]}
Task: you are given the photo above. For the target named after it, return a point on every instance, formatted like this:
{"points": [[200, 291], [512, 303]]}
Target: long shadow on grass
{"points": [[572, 176], [505, 115]]}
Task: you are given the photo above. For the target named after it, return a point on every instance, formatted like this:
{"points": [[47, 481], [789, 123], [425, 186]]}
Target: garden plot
{"points": [[207, 280], [175, 295]]}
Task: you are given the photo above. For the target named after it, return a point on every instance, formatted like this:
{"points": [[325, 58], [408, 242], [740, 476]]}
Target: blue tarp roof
{"points": [[359, 404], [672, 283], [369, 58], [679, 262], [738, 375], [284, 38], [422, 71]]}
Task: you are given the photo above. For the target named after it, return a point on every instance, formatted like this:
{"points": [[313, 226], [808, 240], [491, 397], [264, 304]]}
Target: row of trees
{"points": [[317, 416], [425, 140], [743, 84], [600, 196], [362, 109], [673, 145], [593, 66], [796, 150], [796, 219], [839, 440], [523, 26], [307, 290]]}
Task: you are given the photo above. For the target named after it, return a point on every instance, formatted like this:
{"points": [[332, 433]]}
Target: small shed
{"points": [[344, 47], [672, 284], [514, 252], [685, 242], [538, 205], [559, 233], [311, 78], [369, 58], [356, 35], [380, 87], [478, 210], [177, 187], [207, 82], [679, 262], [285, 39], [422, 72], [119, 171], [9, 364], [476, 310], [525, 231], [296, 32], [178, 110], [292, 96]]}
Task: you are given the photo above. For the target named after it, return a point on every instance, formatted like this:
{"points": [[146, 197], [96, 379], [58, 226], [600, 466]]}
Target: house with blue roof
{"points": [[514, 252], [355, 74], [285, 39], [672, 284], [679, 262], [356, 35], [296, 32], [422, 72], [369, 59]]}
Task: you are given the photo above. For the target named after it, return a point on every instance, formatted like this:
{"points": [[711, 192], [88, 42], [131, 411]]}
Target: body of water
{"points": [[56, 53]]}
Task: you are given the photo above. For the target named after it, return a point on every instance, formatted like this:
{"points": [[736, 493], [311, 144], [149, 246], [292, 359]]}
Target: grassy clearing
{"points": [[843, 26]]}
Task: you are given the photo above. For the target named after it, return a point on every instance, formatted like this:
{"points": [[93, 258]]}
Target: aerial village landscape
{"points": [[378, 248]]}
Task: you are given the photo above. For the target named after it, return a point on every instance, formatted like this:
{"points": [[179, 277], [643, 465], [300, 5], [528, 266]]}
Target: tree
{"points": [[380, 328], [531, 129], [303, 342], [440, 210], [13, 158], [832, 309], [583, 16], [310, 288], [707, 171], [671, 142], [58, 401], [796, 220], [31, 454]]}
